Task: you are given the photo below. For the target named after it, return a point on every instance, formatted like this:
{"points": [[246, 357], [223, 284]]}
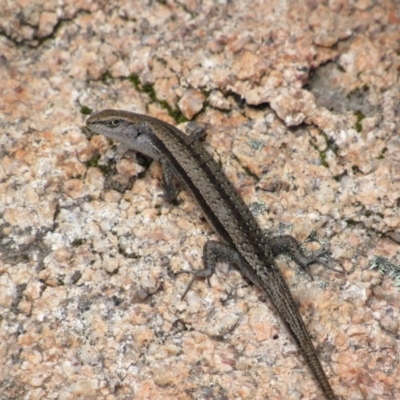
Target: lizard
{"points": [[243, 243]]}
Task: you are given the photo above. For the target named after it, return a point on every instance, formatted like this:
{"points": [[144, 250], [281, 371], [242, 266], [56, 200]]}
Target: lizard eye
{"points": [[114, 123]]}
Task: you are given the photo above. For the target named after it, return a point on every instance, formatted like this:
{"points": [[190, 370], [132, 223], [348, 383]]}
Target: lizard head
{"points": [[128, 128]]}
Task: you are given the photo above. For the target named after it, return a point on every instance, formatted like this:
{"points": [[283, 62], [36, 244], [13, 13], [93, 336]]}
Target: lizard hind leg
{"points": [[213, 252]]}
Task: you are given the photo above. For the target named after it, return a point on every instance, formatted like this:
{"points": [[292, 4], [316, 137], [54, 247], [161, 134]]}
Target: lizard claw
{"points": [[196, 274]]}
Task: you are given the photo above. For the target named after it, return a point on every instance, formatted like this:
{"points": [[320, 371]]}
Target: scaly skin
{"points": [[244, 244]]}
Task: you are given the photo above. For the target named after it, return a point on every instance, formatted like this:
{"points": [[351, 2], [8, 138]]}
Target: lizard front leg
{"points": [[287, 244], [169, 188]]}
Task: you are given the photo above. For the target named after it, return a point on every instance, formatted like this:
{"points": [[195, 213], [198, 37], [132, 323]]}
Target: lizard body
{"points": [[243, 243]]}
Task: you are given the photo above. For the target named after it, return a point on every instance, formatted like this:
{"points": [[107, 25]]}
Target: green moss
{"points": [[382, 155], [360, 116], [133, 78], [77, 242], [322, 153], [324, 163], [149, 90], [86, 110], [94, 161], [178, 117], [106, 77], [106, 169]]}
